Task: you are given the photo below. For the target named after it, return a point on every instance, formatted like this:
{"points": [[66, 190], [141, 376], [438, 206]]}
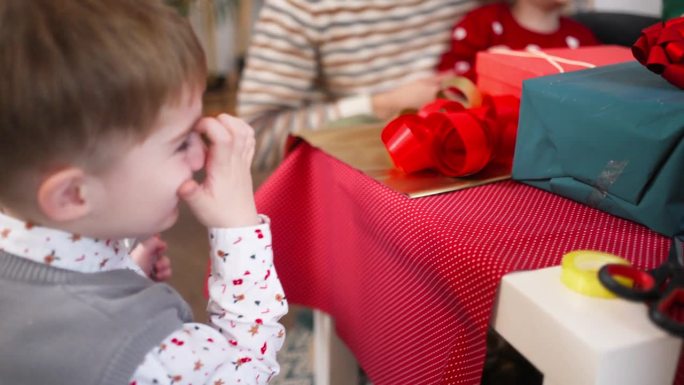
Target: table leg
{"points": [[322, 330], [334, 364]]}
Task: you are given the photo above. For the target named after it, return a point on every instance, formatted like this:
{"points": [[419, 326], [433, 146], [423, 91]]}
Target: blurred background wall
{"points": [[646, 7]]}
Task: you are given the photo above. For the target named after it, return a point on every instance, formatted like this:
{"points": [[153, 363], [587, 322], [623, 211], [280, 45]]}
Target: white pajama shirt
{"points": [[246, 301]]}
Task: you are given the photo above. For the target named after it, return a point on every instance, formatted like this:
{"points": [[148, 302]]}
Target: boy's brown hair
{"points": [[78, 73]]}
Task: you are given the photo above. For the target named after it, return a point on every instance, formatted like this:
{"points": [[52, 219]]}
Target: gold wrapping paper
{"points": [[361, 148]]}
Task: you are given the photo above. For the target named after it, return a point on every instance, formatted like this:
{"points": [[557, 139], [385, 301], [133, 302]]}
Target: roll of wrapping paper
{"points": [[579, 272], [456, 141]]}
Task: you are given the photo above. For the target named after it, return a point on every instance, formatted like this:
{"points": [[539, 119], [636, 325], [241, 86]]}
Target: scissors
{"points": [[661, 288]]}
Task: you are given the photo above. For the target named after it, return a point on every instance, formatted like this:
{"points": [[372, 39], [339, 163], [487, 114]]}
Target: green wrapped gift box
{"points": [[609, 137], [672, 9]]}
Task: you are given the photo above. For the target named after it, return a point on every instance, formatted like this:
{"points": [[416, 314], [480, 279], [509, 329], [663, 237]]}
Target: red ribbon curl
{"points": [[661, 49], [445, 136]]}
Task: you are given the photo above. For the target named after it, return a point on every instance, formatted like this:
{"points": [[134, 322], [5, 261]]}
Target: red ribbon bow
{"points": [[445, 136], [661, 49]]}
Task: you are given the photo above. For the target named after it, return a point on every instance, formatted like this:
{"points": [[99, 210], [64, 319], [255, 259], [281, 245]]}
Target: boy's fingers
{"points": [[160, 245], [155, 243], [232, 121], [237, 126], [219, 138], [162, 276], [162, 263], [243, 134], [162, 269], [228, 133], [213, 130], [199, 201], [190, 192]]}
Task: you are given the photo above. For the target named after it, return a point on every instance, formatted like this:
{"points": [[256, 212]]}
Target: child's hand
{"points": [[149, 255], [225, 198]]}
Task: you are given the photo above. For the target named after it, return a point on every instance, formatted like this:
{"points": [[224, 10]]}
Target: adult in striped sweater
{"points": [[312, 62]]}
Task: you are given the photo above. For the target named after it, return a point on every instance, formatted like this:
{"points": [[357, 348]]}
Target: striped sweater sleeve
{"points": [[278, 89], [314, 61]]}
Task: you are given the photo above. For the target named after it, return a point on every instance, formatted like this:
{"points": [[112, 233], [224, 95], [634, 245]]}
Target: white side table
{"points": [[574, 339]]}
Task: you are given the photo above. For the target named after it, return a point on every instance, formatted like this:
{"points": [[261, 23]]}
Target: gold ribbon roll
{"points": [[462, 90]]}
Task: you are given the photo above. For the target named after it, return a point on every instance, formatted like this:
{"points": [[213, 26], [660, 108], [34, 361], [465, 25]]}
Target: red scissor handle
{"points": [[664, 312], [644, 284]]}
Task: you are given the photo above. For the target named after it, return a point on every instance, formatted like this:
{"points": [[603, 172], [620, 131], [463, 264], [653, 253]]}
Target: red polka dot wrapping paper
{"points": [[411, 283], [502, 72]]}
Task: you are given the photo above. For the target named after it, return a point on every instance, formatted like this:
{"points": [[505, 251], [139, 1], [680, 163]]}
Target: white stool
{"points": [[574, 339]]}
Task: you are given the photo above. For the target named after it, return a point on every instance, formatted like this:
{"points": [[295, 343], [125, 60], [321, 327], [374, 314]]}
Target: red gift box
{"points": [[502, 71]]}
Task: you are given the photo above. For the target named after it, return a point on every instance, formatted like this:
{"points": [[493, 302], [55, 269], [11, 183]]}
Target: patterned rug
{"points": [[503, 364], [295, 356]]}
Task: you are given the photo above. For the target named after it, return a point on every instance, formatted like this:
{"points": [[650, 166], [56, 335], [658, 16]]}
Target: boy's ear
{"points": [[62, 195]]}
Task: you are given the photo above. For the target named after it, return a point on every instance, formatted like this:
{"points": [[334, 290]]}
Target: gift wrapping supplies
{"points": [[502, 71]]}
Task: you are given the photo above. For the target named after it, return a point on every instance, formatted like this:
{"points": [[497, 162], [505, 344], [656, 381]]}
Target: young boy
{"points": [[523, 24], [100, 133]]}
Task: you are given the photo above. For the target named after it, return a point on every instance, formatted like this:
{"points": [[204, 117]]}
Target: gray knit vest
{"points": [[61, 327]]}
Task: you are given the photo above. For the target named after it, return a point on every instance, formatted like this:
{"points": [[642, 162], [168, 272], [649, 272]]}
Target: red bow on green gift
{"points": [[661, 49], [445, 136]]}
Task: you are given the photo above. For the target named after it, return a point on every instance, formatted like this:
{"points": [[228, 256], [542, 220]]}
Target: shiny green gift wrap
{"points": [[609, 137]]}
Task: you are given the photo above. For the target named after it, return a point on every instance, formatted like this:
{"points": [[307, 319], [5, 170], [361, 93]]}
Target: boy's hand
{"points": [[225, 198], [150, 256]]}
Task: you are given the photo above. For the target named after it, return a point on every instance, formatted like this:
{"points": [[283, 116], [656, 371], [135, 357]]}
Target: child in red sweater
{"points": [[524, 24]]}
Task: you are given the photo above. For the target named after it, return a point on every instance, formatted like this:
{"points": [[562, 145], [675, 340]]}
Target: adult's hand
{"points": [[413, 94]]}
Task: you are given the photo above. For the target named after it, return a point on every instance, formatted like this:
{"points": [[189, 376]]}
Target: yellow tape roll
{"points": [[579, 272]]}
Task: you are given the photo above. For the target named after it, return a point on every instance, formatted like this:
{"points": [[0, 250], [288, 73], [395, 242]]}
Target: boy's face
{"points": [[137, 196]]}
